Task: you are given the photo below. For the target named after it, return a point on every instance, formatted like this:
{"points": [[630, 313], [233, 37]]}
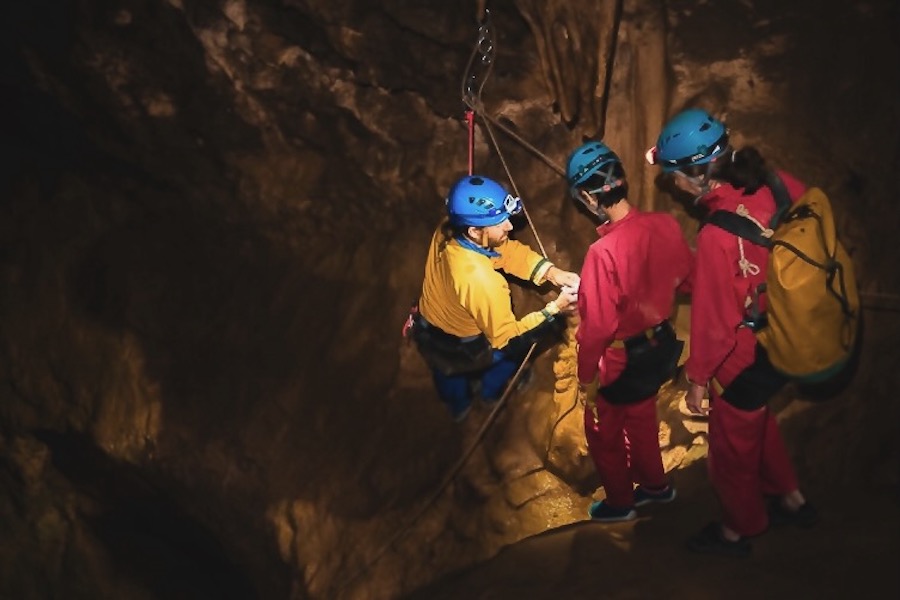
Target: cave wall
{"points": [[214, 218]]}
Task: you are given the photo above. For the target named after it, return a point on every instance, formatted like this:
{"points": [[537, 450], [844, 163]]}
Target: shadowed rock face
{"points": [[214, 217]]}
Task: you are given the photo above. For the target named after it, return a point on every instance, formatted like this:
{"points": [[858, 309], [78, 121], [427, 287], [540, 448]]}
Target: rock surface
{"points": [[214, 216]]}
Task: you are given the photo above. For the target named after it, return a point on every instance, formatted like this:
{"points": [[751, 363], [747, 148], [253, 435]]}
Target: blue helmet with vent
{"points": [[692, 137], [478, 201], [587, 160], [596, 176]]}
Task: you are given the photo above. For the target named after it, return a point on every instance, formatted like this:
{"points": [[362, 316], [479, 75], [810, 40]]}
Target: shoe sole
{"points": [[629, 516], [665, 500]]}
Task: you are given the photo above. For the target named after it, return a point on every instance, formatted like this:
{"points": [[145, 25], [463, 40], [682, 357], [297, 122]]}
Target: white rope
{"points": [[747, 267], [742, 210]]}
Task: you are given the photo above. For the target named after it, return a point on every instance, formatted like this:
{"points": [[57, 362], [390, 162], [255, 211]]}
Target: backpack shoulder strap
{"points": [[782, 198], [739, 226]]}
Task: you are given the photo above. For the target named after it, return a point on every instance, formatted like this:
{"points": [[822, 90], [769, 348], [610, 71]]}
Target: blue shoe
{"points": [[603, 512], [644, 495]]}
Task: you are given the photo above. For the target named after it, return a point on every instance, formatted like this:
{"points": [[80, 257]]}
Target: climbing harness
{"points": [[475, 76], [477, 71]]}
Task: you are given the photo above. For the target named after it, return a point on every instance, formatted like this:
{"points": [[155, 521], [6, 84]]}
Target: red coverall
{"points": [[628, 285], [747, 457]]}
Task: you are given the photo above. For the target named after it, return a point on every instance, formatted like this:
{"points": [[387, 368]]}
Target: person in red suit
{"points": [[627, 347], [748, 464]]}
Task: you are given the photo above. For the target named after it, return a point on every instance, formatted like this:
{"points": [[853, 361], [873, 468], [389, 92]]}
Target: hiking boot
{"points": [[804, 517], [711, 541], [603, 512], [644, 495]]}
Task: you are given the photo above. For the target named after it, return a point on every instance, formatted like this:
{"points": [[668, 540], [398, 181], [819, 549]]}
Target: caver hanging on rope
{"points": [[464, 297], [464, 324], [456, 327]]}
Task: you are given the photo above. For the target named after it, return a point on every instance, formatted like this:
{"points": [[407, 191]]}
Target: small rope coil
{"points": [[748, 268]]}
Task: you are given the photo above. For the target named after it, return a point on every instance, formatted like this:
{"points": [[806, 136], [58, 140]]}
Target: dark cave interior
{"points": [[215, 214]]}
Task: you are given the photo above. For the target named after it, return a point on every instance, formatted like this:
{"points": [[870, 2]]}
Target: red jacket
{"points": [[719, 346], [628, 283]]}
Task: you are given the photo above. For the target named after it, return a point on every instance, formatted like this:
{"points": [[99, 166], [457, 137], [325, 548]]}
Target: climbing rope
{"points": [[448, 478], [476, 73], [470, 120], [480, 63], [478, 69]]}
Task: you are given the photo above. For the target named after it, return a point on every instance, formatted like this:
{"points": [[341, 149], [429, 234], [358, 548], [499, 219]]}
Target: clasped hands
{"points": [[568, 283]]}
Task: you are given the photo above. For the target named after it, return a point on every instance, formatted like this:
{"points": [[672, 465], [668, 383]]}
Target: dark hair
{"points": [[450, 231], [614, 195], [617, 193], [744, 168]]}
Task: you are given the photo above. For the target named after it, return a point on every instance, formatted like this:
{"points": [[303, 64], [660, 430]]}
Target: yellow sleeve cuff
{"points": [[541, 272], [550, 310]]}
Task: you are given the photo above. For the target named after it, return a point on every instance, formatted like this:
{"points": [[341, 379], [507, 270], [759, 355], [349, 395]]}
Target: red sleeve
{"points": [[715, 311], [598, 296]]}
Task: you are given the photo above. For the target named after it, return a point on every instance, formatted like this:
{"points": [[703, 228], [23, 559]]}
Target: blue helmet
{"points": [[595, 169], [477, 201], [587, 160], [692, 137]]}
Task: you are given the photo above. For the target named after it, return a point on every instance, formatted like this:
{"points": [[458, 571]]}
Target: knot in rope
{"points": [[748, 268], [742, 210]]}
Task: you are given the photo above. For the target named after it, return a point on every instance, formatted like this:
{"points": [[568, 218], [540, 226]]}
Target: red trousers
{"points": [[624, 446], [747, 461]]}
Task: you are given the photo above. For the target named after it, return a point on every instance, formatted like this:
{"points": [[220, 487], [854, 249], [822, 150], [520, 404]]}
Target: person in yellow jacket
{"points": [[464, 325]]}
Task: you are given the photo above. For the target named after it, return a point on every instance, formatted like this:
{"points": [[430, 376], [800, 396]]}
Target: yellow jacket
{"points": [[464, 295]]}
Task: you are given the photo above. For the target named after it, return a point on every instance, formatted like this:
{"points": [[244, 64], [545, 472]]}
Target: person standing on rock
{"points": [[463, 322], [626, 344], [747, 461]]}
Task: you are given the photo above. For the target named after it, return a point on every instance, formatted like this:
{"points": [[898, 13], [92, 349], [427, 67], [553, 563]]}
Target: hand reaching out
{"points": [[561, 278]]}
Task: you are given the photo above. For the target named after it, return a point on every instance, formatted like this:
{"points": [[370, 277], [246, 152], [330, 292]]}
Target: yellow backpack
{"points": [[811, 325]]}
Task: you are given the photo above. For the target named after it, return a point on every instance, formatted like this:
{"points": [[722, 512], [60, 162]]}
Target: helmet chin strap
{"points": [[594, 207], [703, 185], [601, 214], [701, 182]]}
